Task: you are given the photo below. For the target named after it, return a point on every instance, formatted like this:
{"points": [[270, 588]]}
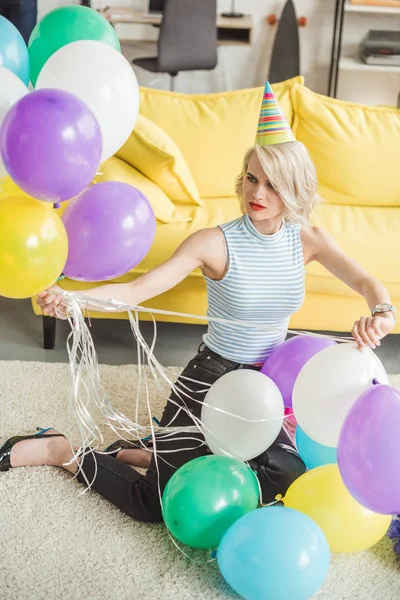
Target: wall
{"points": [[241, 67]]}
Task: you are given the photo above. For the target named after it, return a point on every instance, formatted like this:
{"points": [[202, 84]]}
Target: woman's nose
{"points": [[259, 193]]}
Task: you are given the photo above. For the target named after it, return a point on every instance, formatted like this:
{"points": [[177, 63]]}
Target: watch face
{"points": [[383, 307]]}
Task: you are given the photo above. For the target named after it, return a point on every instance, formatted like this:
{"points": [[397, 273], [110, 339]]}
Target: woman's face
{"points": [[260, 199]]}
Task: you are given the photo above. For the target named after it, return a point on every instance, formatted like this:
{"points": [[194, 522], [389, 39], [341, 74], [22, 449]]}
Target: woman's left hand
{"points": [[368, 331]]}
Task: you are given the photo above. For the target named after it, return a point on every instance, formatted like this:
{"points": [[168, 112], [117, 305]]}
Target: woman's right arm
{"points": [[192, 253]]}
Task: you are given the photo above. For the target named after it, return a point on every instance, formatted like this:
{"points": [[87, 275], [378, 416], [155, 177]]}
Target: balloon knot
{"points": [[375, 381], [279, 498], [394, 533], [56, 205]]}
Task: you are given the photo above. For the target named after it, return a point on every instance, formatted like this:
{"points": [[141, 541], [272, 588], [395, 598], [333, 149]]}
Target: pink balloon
{"points": [[369, 449], [287, 360]]}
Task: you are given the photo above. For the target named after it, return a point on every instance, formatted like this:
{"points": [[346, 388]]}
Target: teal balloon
{"points": [[274, 553], [13, 51], [206, 496], [65, 25], [313, 453]]}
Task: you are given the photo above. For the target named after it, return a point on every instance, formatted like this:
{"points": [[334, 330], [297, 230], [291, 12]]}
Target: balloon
{"points": [[312, 453], [111, 227], [65, 25], [369, 449], [327, 387], [11, 90], [205, 496], [287, 360], [246, 394], [8, 188], [33, 247], [104, 80], [13, 51], [51, 145], [275, 553], [348, 526]]}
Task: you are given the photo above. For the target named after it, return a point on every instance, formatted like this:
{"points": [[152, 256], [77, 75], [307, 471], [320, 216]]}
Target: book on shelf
{"points": [[387, 3]]}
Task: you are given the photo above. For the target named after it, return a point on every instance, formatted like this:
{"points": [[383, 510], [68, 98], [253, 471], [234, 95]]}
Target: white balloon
{"points": [[101, 77], [248, 394], [329, 384], [11, 90]]}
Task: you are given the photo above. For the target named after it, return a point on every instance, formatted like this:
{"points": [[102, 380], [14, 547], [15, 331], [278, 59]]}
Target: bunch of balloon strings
{"points": [[89, 402]]}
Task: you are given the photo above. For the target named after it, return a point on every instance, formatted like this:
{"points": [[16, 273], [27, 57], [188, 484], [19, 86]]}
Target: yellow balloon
{"points": [[33, 246], [322, 495], [9, 188]]}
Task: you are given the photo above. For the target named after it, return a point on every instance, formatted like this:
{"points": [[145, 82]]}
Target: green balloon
{"points": [[206, 496], [65, 25]]}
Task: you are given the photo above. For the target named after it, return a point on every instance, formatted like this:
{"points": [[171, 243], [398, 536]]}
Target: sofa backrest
{"points": [[213, 131], [355, 148]]}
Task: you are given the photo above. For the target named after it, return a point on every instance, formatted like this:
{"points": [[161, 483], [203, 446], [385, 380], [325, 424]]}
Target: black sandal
{"points": [[5, 450]]}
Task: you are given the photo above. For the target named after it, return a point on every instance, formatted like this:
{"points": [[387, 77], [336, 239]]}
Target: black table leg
{"points": [[49, 332]]}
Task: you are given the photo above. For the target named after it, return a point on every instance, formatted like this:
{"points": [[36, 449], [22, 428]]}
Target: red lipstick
{"points": [[255, 206]]}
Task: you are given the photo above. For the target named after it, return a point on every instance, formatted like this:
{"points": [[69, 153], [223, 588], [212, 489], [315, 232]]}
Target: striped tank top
{"points": [[264, 285]]}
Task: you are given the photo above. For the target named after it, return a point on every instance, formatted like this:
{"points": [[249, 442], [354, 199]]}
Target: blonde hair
{"points": [[292, 174]]}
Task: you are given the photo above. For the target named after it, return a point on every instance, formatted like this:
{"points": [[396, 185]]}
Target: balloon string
{"points": [[88, 354], [116, 306], [89, 402]]}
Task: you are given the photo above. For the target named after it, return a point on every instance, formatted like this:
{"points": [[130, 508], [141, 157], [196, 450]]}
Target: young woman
{"points": [[254, 268]]}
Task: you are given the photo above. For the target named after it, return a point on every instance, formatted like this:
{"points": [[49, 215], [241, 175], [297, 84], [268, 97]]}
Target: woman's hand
{"points": [[368, 331], [52, 299]]}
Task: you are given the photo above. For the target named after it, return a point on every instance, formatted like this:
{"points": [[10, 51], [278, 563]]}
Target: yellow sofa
{"points": [[186, 151]]}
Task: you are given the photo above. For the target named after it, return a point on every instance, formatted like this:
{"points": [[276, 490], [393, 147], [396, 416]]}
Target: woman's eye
{"points": [[251, 179]]}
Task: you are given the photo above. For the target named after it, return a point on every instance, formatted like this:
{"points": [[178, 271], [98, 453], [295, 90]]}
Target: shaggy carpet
{"points": [[55, 543]]}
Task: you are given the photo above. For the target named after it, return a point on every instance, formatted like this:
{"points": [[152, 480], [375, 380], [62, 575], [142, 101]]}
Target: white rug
{"points": [[55, 544]]}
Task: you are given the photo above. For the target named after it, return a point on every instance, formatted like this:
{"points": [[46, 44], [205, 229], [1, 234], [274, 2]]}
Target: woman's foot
{"points": [[136, 457], [43, 450]]}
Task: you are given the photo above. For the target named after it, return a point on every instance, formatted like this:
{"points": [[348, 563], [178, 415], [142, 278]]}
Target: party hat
{"points": [[272, 125]]}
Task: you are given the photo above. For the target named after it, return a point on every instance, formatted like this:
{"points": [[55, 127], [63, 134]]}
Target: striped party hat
{"points": [[272, 125]]}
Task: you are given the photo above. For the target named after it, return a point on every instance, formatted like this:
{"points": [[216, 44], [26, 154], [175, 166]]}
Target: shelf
{"points": [[231, 31], [353, 64], [367, 9]]}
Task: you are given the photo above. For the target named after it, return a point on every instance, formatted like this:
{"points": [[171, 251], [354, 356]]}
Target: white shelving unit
{"points": [[359, 8], [353, 64], [347, 59]]}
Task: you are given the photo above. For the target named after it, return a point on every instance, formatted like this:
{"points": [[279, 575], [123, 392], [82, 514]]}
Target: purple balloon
{"points": [[287, 360], [51, 145], [111, 228], [369, 450]]}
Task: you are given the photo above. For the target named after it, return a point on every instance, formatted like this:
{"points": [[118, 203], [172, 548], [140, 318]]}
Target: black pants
{"points": [[138, 495], [22, 14]]}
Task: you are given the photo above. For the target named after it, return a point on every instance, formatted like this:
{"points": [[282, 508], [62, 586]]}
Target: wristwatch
{"points": [[382, 308]]}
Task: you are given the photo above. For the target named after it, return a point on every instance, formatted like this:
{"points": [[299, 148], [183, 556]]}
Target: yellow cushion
{"points": [[152, 152], [355, 148], [206, 126], [329, 303], [169, 237], [358, 230], [165, 211], [368, 234]]}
